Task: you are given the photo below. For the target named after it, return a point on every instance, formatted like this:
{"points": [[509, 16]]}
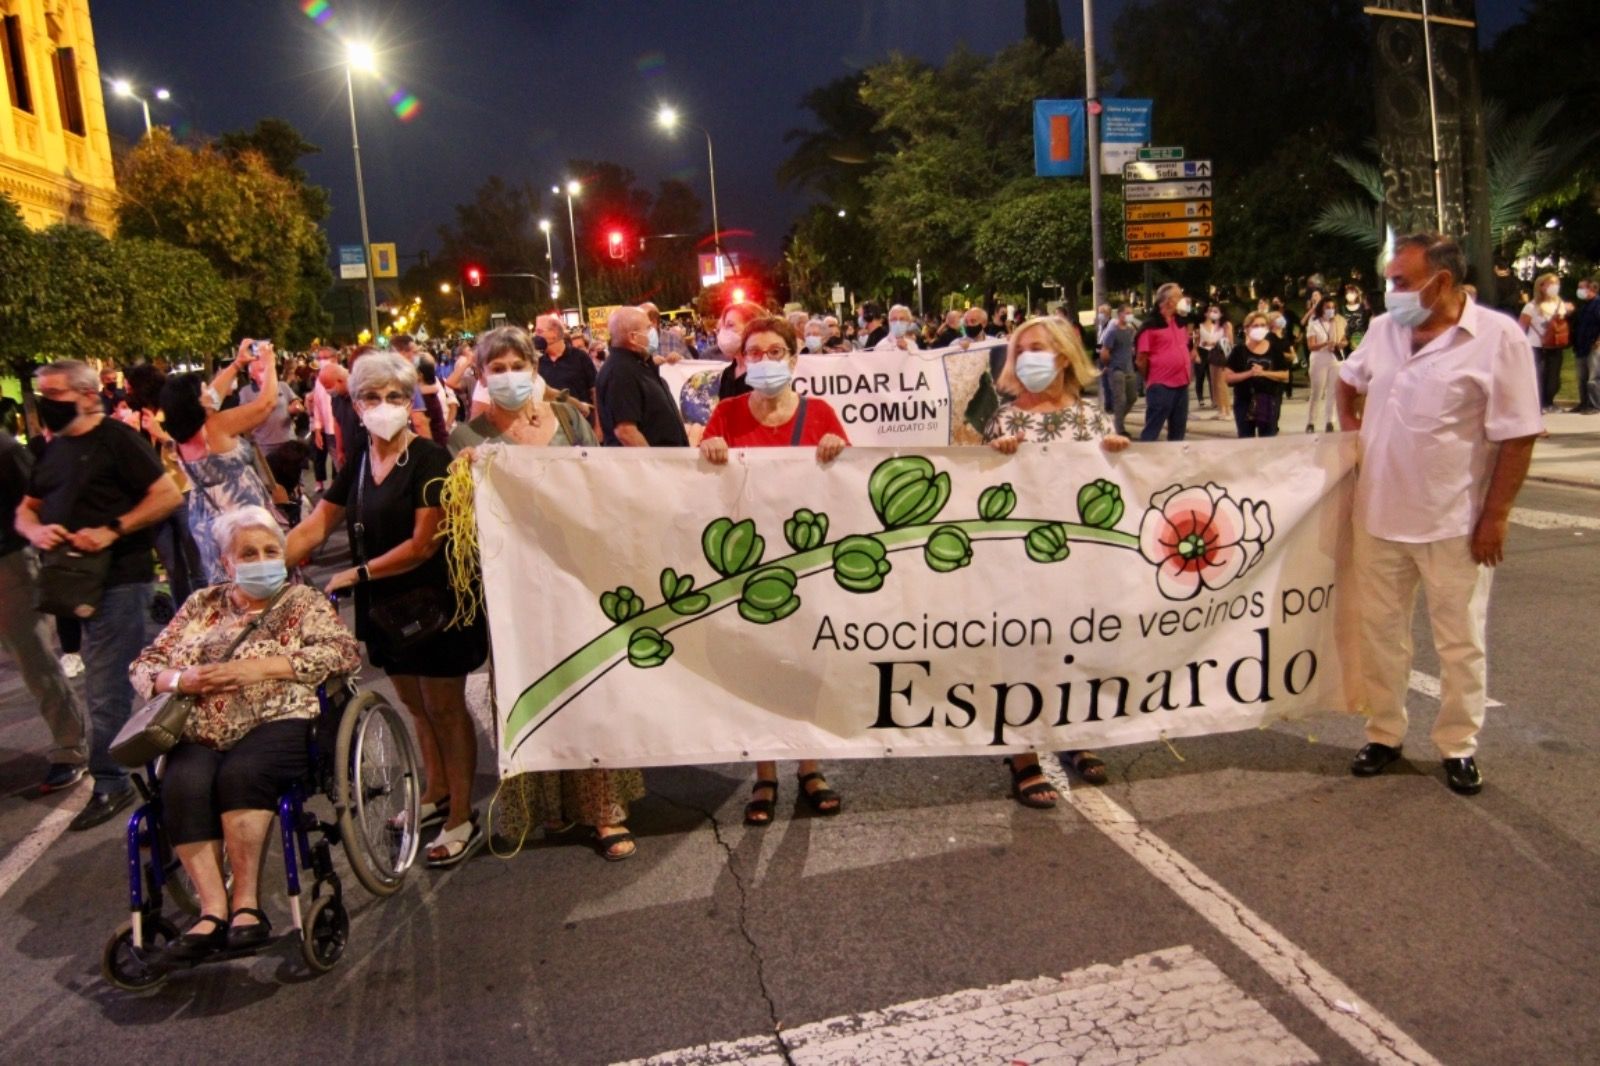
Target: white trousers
{"points": [[1388, 574], [1324, 377]]}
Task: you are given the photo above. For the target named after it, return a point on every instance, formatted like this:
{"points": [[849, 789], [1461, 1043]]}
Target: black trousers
{"points": [[201, 784]]}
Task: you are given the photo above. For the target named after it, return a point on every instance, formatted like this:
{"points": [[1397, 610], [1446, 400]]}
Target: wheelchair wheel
{"points": [[129, 968], [377, 792], [325, 932]]}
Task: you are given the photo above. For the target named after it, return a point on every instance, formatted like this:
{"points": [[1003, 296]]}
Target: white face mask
{"points": [[728, 342], [510, 389], [1037, 370], [1185, 305], [1327, 313], [385, 420], [1552, 291], [898, 328], [1257, 334], [1406, 307], [1585, 294], [767, 377], [813, 342]]}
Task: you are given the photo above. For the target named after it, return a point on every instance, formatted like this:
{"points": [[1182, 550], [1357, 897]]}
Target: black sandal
{"points": [[817, 797], [1029, 797], [1087, 765], [603, 846], [193, 946], [757, 807], [241, 937]]}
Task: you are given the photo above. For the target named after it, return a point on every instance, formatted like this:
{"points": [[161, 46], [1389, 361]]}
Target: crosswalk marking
{"points": [[20, 858], [1532, 519]]}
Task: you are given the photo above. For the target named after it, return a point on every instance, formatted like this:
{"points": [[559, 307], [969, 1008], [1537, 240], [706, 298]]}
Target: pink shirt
{"points": [[1434, 420], [1168, 349]]}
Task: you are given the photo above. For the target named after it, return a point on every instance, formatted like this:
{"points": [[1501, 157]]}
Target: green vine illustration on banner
{"points": [[1196, 536]]}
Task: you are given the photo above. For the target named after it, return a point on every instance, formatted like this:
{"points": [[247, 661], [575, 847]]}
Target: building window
{"points": [[16, 64], [67, 95]]}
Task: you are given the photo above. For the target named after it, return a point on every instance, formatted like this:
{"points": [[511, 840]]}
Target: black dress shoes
{"points": [[1373, 760], [100, 808], [1462, 776]]}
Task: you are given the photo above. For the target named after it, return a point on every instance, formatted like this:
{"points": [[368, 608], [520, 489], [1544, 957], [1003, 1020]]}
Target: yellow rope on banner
{"points": [[459, 529]]}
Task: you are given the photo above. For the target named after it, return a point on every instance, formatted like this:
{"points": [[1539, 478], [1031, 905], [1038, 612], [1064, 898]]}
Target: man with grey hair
{"points": [[99, 489], [1164, 351], [949, 331], [1447, 432], [902, 335], [562, 366], [636, 407]]}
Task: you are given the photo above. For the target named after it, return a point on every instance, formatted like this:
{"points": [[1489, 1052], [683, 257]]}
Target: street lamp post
{"points": [[573, 188], [361, 55], [123, 88], [549, 259], [668, 118]]}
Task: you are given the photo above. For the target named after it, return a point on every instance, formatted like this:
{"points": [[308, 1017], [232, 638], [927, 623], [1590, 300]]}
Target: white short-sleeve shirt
{"points": [[1434, 420]]}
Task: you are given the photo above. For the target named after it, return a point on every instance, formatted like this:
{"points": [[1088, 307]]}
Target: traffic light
{"points": [[474, 276], [614, 241], [738, 296]]}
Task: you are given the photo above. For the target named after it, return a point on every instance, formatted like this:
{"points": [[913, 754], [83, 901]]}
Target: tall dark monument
{"points": [[1430, 123]]}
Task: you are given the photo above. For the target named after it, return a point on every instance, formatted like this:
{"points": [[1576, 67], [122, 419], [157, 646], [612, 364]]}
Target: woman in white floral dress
{"points": [[1043, 382]]}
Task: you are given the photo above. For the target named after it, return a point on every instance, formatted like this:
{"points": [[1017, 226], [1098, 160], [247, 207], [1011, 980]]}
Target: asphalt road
{"points": [[1241, 898]]}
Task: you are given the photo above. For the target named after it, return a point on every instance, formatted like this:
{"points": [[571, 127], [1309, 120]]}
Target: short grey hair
{"points": [[503, 338], [813, 322], [900, 307], [1441, 252], [1167, 292], [252, 516], [798, 321], [79, 375], [382, 368]]}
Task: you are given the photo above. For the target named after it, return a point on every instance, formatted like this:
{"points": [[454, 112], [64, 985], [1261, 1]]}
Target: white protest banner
{"points": [[890, 399], [647, 608]]}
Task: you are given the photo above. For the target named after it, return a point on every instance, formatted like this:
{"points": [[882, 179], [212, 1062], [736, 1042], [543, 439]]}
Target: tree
{"points": [[80, 315], [251, 223], [174, 303], [21, 290], [281, 145], [1039, 234]]}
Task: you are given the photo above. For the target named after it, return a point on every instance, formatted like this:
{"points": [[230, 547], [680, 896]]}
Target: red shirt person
{"points": [[774, 415], [1164, 351]]}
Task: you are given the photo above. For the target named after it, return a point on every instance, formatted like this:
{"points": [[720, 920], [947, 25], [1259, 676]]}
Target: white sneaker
{"points": [[72, 664]]}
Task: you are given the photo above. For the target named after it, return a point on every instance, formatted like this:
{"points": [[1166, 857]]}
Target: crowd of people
{"points": [[235, 479]]}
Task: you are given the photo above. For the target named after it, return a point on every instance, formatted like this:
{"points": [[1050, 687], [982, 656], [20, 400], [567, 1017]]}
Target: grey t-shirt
{"points": [[279, 426], [1120, 340]]}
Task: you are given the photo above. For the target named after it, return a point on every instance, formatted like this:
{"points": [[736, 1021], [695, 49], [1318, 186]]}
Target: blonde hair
{"points": [[1060, 339], [1254, 316], [1540, 282]]}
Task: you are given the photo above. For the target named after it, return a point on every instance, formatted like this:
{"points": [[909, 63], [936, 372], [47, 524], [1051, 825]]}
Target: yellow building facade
{"points": [[55, 152]]}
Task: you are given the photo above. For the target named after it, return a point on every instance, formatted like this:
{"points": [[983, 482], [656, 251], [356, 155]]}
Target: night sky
{"points": [[517, 87]]}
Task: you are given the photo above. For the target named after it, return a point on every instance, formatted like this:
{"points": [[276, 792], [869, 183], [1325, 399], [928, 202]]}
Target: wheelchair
{"points": [[363, 759]]}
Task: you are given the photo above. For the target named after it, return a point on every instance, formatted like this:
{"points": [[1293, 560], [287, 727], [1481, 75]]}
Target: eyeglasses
{"points": [[373, 399], [771, 355]]}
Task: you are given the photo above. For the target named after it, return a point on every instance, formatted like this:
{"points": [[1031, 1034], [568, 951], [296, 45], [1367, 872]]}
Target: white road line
{"points": [[1428, 685], [27, 852], [1522, 516], [1361, 1025]]}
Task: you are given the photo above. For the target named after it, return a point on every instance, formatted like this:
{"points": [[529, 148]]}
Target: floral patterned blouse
{"points": [[301, 626], [1081, 421]]}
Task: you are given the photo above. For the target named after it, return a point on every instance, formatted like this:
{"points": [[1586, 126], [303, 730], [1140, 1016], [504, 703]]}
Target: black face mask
{"points": [[57, 415], [540, 343]]}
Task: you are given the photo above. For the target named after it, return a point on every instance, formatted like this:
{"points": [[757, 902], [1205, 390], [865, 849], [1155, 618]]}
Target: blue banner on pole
{"points": [[352, 261], [1059, 138]]}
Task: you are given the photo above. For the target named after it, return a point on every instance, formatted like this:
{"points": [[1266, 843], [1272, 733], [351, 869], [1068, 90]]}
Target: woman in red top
{"points": [[774, 415]]}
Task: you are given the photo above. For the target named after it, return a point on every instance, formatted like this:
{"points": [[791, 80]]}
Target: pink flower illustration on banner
{"points": [[1202, 538]]}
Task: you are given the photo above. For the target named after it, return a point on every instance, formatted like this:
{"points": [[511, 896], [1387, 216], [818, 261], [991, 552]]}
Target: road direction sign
{"points": [[1167, 231], [1192, 168], [1143, 253], [1160, 154], [1163, 212], [1167, 190]]}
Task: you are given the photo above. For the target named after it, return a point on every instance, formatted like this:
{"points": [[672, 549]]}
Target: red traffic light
{"points": [[738, 296], [474, 276], [614, 240]]}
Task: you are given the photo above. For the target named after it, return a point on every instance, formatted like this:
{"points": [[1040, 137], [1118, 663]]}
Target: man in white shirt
{"points": [[1447, 431]]}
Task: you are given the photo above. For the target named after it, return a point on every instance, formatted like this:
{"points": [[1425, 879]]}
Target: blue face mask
{"points": [[510, 389], [898, 328], [1037, 370], [767, 377], [260, 580], [655, 340]]}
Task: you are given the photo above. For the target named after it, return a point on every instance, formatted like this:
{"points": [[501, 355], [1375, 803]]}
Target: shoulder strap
{"points": [[244, 633], [358, 527], [568, 417], [799, 424]]}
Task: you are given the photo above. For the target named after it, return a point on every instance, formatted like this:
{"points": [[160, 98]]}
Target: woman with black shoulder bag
{"points": [[388, 498]]}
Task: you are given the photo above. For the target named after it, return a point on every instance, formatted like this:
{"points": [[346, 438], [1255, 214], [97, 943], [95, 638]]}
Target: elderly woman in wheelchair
{"points": [[248, 737]]}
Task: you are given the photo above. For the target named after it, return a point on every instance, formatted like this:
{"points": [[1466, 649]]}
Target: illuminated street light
{"points": [[549, 261], [444, 287], [669, 119], [573, 189], [123, 88]]}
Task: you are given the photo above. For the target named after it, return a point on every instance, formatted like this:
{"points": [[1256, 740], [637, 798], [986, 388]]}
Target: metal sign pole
{"points": [[1091, 92]]}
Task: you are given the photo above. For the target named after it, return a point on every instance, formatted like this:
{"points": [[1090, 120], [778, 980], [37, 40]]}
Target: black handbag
{"points": [[155, 729], [71, 582], [406, 619]]}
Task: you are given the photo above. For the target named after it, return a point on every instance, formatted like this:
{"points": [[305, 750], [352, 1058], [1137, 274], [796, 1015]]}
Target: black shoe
{"points": [[1462, 776], [241, 937], [61, 775], [1373, 760], [100, 808], [195, 946]]}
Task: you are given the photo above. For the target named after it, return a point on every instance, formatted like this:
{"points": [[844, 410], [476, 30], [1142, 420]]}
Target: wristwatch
{"points": [[362, 577], [115, 525]]}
